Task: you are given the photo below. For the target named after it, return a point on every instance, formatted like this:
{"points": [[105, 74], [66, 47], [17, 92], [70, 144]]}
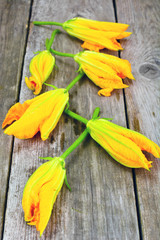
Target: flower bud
{"points": [[41, 192], [104, 70], [123, 144], [40, 67]]}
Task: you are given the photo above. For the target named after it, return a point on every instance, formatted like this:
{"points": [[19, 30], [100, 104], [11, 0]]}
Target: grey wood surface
{"points": [[102, 203], [95, 209], [143, 99], [13, 30]]}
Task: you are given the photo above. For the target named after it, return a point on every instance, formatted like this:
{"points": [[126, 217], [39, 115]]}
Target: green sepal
{"points": [[56, 66], [95, 118], [66, 182], [96, 113], [79, 69], [67, 106], [50, 85]]}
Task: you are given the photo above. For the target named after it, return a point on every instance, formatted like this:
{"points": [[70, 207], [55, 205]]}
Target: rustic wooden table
{"points": [[108, 201]]}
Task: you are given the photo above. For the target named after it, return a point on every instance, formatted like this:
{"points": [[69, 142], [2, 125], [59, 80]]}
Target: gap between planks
{"points": [[127, 124], [17, 99]]}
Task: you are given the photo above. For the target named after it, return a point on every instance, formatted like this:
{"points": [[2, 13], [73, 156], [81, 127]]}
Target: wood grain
{"points": [[143, 99], [13, 30], [102, 203]]}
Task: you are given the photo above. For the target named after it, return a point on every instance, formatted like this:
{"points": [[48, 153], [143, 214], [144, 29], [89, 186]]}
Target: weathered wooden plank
{"points": [[143, 99], [101, 204], [13, 21]]}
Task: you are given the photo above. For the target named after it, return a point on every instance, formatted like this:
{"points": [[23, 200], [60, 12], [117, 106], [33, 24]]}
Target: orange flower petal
{"points": [[111, 44], [33, 84], [129, 150], [104, 70], [97, 35], [106, 80], [105, 39], [37, 177], [105, 92], [32, 119], [92, 46], [50, 123], [15, 112], [122, 144], [48, 194], [98, 25], [41, 191], [123, 35], [40, 67], [123, 150], [122, 67], [143, 142]]}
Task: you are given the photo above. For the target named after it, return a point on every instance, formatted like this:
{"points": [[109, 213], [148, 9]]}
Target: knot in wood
{"points": [[149, 70]]}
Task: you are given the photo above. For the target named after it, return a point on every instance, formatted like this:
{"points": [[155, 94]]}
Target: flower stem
{"points": [[47, 23], [76, 116], [76, 79], [50, 42], [75, 144], [62, 54], [83, 135]]}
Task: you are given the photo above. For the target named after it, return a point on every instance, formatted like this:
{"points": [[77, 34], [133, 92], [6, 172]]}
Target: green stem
{"points": [[47, 23], [62, 54], [75, 144], [49, 44], [83, 135], [76, 116], [76, 79], [96, 113]]}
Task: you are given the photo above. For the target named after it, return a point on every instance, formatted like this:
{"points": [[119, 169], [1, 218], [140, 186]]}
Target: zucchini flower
{"points": [[44, 185], [40, 67], [41, 113], [122, 144], [97, 35], [41, 191], [104, 70]]}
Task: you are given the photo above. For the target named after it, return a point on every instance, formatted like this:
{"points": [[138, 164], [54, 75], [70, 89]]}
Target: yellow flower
{"points": [[104, 70], [41, 192], [40, 67], [41, 113], [122, 144], [95, 34]]}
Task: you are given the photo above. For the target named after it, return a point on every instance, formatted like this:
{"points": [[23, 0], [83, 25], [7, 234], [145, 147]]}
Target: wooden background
{"points": [[108, 201]]}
